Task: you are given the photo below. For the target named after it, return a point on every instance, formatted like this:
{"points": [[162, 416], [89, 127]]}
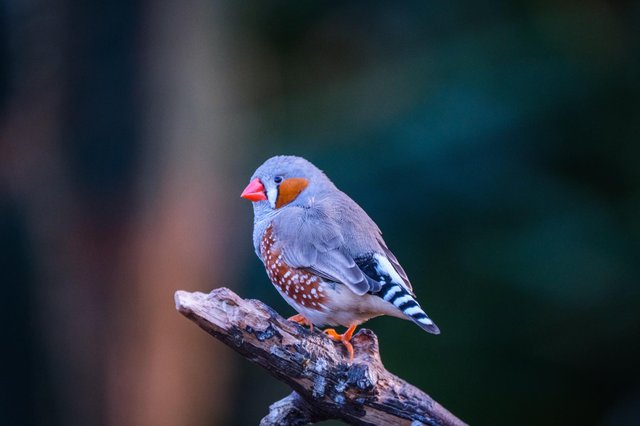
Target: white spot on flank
{"points": [[286, 274], [400, 300]]}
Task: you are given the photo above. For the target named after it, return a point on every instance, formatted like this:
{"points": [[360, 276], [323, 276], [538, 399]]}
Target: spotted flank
{"points": [[301, 287]]}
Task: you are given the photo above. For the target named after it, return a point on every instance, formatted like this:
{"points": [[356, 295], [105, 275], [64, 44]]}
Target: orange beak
{"points": [[254, 191]]}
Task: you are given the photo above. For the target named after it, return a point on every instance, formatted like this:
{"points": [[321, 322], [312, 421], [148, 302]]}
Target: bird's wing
{"points": [[311, 240], [396, 265], [382, 273], [372, 255]]}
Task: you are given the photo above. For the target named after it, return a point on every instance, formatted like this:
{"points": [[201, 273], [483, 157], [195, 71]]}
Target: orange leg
{"points": [[344, 338], [301, 320]]}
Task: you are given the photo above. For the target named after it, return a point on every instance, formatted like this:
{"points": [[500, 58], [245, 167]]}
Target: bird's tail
{"points": [[407, 304]]}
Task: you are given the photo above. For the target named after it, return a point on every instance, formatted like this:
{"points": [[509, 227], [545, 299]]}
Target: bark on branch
{"points": [[325, 385]]}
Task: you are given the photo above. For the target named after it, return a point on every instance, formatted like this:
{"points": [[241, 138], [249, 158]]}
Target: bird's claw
{"points": [[299, 319], [344, 338]]}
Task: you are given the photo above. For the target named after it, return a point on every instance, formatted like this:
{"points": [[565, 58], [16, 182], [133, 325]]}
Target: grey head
{"points": [[285, 180]]}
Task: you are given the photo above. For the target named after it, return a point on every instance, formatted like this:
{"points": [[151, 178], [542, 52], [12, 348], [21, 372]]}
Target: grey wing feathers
{"points": [[313, 242]]}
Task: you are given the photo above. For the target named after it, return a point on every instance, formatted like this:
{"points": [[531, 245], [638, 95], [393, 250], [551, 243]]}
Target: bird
{"points": [[323, 253]]}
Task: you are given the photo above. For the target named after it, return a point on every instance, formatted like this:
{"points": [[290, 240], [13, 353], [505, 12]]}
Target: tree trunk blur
{"points": [[153, 381], [122, 193]]}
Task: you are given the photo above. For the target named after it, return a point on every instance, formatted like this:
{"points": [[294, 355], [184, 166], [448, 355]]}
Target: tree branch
{"points": [[325, 384]]}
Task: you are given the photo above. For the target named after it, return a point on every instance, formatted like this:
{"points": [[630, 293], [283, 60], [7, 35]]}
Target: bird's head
{"points": [[284, 181]]}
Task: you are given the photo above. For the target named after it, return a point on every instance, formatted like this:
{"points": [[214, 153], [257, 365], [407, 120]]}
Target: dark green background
{"points": [[497, 145]]}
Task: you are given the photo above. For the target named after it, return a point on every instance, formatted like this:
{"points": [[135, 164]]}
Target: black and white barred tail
{"points": [[401, 299]]}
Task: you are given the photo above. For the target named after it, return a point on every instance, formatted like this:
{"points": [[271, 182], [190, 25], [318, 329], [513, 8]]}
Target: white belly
{"points": [[343, 307]]}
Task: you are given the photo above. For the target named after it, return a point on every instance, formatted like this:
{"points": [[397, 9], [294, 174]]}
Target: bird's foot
{"points": [[301, 320], [344, 338]]}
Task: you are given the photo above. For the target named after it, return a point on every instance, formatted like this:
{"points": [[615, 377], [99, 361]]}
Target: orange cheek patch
{"points": [[289, 190]]}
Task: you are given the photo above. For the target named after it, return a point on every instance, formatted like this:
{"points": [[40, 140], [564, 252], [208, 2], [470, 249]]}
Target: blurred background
{"points": [[496, 144]]}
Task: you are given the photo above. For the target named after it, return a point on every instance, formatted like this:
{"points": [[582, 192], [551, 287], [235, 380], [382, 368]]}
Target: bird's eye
{"points": [[277, 179]]}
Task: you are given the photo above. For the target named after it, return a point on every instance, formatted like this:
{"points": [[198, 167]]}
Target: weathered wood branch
{"points": [[325, 384]]}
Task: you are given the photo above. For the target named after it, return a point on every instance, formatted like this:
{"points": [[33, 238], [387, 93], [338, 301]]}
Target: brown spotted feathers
{"points": [[299, 285]]}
